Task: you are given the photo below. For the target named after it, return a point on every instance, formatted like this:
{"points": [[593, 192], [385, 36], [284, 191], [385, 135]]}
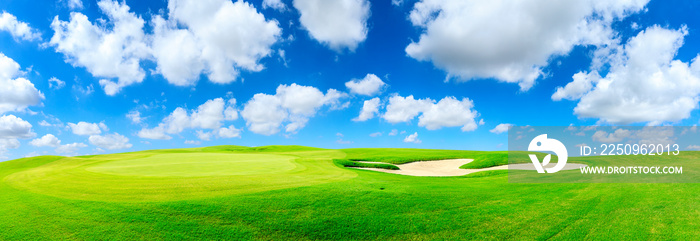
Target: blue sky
{"points": [[281, 70]]}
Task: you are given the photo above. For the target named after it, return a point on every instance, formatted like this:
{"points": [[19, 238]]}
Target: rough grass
{"points": [[365, 206]]}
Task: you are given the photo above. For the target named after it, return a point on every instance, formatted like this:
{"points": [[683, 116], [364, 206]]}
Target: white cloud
{"points": [[341, 141], [46, 140], [229, 132], [413, 138], [16, 93], [339, 24], [85, 128], [204, 135], [56, 83], [191, 142], [292, 104], [583, 82], [264, 114], [274, 4], [231, 113], [369, 109], [617, 136], [220, 38], [501, 128], [448, 112], [157, 133], [376, 134], [134, 116], [369, 86], [209, 115], [693, 147], [652, 135], [18, 29], [13, 127], [44, 123], [70, 148], [6, 144], [404, 109], [394, 132], [671, 88], [74, 4], [110, 141], [510, 41], [103, 126], [105, 53], [397, 2], [85, 91]]}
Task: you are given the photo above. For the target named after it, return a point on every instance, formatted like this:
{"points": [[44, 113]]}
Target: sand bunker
{"points": [[445, 168]]}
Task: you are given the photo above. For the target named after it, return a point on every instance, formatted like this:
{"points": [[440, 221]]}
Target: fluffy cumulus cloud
{"points": [[644, 84], [404, 109], [448, 112], [16, 28], [110, 141], [229, 132], [86, 129], [369, 86], [369, 109], [501, 128], [13, 127], [17, 93], [109, 53], [210, 115], [219, 38], [510, 41], [46, 140], [292, 105], [412, 138], [340, 24]]}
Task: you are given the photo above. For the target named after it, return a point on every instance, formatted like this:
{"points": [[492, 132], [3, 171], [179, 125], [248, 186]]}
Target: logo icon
{"points": [[542, 143]]}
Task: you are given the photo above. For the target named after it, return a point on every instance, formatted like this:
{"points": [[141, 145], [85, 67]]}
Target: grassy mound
{"points": [[351, 163]]}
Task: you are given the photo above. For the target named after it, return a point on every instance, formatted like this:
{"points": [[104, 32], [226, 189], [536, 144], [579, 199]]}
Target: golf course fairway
{"points": [[305, 193]]}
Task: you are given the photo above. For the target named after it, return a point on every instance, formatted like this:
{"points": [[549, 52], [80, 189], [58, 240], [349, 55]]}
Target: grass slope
{"points": [[63, 198]]}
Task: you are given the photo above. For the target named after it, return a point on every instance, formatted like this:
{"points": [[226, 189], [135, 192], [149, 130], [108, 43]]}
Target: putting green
{"points": [[197, 165], [161, 176]]}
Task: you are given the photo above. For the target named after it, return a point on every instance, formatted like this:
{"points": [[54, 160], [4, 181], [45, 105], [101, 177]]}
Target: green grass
{"points": [[106, 197], [351, 163]]}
